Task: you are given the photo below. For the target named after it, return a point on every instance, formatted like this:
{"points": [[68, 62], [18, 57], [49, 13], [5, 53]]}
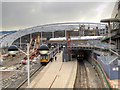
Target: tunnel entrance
{"points": [[86, 75], [81, 54]]}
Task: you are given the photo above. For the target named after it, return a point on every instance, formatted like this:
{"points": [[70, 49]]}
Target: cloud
{"points": [[59, 0], [0, 15], [26, 14]]}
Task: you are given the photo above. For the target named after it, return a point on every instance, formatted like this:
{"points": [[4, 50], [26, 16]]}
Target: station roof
{"points": [[77, 38], [110, 20]]}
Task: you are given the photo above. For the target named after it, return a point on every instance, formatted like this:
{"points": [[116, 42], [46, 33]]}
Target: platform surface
{"points": [[56, 74]]}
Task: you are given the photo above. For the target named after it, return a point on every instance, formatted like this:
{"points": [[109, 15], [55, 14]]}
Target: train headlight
{"points": [[52, 46], [63, 46], [44, 52], [115, 69], [13, 52]]}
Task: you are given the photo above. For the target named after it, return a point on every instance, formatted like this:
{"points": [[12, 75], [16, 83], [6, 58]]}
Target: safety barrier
{"points": [[102, 73]]}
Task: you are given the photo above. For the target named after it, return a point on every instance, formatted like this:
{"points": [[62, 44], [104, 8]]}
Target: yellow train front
{"points": [[46, 55], [44, 59]]}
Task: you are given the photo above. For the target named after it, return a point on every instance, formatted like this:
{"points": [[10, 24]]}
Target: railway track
{"points": [[20, 79], [87, 77], [82, 77], [33, 74]]}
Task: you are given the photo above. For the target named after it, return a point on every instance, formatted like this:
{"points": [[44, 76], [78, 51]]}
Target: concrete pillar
{"points": [[109, 34], [116, 44], [20, 42], [65, 33], [79, 29], [83, 33], [41, 38], [30, 36], [53, 35], [119, 48], [109, 29], [119, 44], [105, 31]]}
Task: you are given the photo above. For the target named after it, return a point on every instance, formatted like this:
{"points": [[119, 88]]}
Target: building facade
{"points": [[116, 25]]}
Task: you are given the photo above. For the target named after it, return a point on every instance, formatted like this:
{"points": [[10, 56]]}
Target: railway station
{"points": [[66, 55]]}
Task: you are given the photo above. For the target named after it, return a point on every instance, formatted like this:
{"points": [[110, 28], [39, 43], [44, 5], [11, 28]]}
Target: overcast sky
{"points": [[19, 15]]}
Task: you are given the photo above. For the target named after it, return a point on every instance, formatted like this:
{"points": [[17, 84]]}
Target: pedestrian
{"points": [[55, 58], [51, 60]]}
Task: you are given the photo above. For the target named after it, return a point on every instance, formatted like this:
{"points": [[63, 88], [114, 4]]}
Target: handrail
{"points": [[114, 52]]}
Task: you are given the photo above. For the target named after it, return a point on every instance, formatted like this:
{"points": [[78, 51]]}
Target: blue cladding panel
{"points": [[112, 75]]}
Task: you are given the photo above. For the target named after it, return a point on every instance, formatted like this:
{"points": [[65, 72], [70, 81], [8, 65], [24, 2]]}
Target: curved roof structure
{"points": [[8, 40], [77, 38]]}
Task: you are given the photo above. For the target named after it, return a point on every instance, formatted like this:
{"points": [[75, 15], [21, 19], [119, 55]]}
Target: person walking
{"points": [[55, 58]]}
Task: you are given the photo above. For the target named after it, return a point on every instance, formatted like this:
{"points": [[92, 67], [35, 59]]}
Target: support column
{"points": [[20, 42], [41, 37], [109, 35], [79, 29], [65, 33], [83, 32], [116, 43], [119, 44], [118, 48], [30, 36], [53, 35]]}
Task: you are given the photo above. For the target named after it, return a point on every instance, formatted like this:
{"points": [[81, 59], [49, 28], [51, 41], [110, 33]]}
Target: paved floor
{"points": [[56, 74]]}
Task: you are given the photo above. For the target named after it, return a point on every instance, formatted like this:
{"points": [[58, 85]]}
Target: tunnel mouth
{"points": [[81, 55]]}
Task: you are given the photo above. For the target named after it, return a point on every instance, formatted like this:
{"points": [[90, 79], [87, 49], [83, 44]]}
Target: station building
{"points": [[113, 34]]}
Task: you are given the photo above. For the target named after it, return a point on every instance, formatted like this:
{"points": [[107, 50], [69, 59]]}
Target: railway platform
{"points": [[56, 74]]}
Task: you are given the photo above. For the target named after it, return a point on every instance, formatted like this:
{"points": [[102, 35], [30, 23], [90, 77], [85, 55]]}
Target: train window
{"points": [[41, 57], [46, 57]]}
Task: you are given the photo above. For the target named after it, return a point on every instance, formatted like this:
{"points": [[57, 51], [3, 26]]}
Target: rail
{"points": [[19, 79], [114, 52], [100, 69], [20, 85]]}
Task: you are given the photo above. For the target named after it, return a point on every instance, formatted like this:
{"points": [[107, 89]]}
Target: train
{"points": [[80, 56], [46, 54], [13, 50]]}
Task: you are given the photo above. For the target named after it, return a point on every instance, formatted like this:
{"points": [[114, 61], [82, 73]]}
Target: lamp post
{"points": [[13, 50], [28, 65]]}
